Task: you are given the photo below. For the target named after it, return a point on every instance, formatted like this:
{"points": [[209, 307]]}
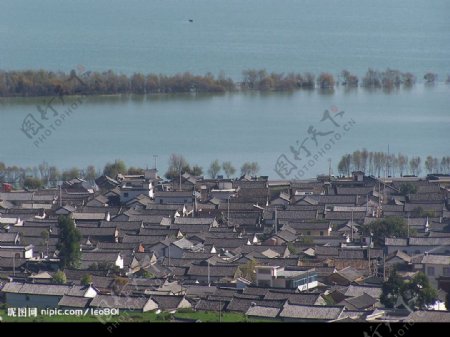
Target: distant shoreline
{"points": [[42, 83]]}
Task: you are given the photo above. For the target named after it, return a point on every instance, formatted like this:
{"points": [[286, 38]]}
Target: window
{"points": [[264, 271], [308, 233], [321, 233], [125, 195], [446, 271], [430, 271]]}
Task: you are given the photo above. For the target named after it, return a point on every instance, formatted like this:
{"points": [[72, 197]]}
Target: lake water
{"points": [[229, 36]]}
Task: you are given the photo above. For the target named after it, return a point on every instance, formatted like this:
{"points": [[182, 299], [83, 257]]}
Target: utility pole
{"points": [[209, 281], [275, 220], [408, 226], [352, 227], [169, 254], [155, 157], [228, 211], [329, 168]]}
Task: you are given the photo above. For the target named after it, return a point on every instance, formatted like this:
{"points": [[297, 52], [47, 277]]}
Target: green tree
{"points": [[407, 188], [387, 227], [419, 212], [196, 170], [86, 279], [69, 242], [45, 235], [292, 248], [72, 173], [430, 78], [90, 173], [113, 169], [228, 168], [135, 171], [416, 293], [391, 290], [325, 81], [59, 277], [247, 270], [214, 169], [33, 183]]}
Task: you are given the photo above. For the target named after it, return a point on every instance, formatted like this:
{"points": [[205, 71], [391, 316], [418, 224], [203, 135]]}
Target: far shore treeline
{"points": [[372, 163], [32, 83]]}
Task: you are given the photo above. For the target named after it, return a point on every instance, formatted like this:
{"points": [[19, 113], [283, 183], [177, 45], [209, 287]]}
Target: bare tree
{"points": [[228, 169], [214, 169], [402, 163], [414, 165]]}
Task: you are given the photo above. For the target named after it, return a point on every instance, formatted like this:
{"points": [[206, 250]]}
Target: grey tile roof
{"points": [[99, 256], [97, 231], [116, 246], [261, 311], [89, 216], [319, 225], [214, 270], [36, 289], [326, 250], [439, 241], [426, 197], [185, 229], [226, 243], [428, 316], [168, 302], [240, 304], [199, 291], [256, 291], [120, 302], [286, 236], [360, 302], [293, 298], [211, 305], [144, 239], [296, 215], [122, 225], [309, 312], [74, 301], [354, 291], [162, 231], [194, 221], [28, 231], [345, 215], [436, 259], [395, 242], [8, 237], [334, 199], [425, 206], [10, 263]]}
